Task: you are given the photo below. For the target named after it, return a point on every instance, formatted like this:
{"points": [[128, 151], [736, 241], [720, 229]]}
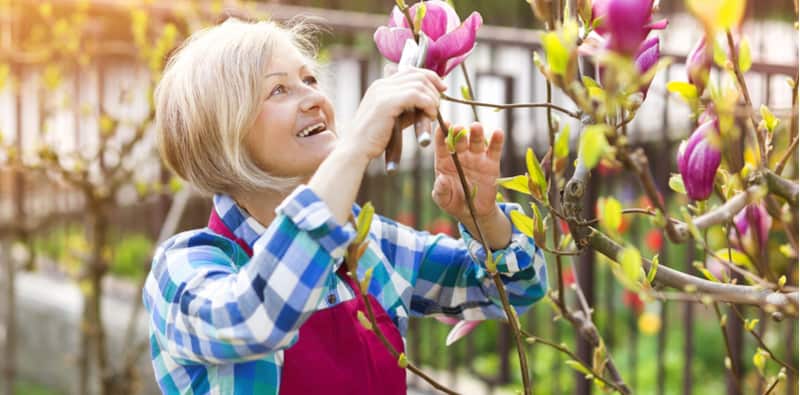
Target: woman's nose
{"points": [[311, 99]]}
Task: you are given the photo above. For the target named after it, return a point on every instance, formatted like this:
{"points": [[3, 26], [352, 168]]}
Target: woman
{"points": [[258, 301]]}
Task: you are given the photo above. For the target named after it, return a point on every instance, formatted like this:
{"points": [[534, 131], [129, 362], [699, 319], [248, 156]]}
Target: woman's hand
{"points": [[481, 164], [385, 100]]}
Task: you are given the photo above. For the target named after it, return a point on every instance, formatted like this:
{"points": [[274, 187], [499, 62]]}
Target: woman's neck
{"points": [[260, 204]]}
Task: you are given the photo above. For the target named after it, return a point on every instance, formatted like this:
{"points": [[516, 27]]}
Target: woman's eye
{"points": [[310, 80], [277, 90]]}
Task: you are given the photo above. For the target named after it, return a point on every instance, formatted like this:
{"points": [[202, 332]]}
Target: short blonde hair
{"points": [[209, 97]]}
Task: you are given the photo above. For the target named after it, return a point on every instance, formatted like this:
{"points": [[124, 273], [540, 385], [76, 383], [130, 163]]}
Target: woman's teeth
{"points": [[310, 129]]}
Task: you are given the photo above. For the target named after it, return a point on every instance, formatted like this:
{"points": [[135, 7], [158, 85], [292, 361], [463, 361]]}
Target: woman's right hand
{"points": [[385, 100]]}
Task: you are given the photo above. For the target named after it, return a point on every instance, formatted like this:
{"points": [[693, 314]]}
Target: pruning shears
{"points": [[413, 55]]}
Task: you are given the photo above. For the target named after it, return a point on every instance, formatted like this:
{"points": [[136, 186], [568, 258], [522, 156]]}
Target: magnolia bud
{"points": [[698, 162]]}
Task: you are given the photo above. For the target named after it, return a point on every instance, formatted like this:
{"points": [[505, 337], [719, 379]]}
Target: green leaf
{"points": [[745, 61], [651, 275], [676, 184], [736, 257], [401, 4], [465, 92], [421, 10], [364, 221], [710, 277], [730, 13], [523, 222], [720, 57], [366, 280], [175, 184], [557, 54], [364, 320], [454, 137], [538, 225], [516, 183], [593, 145], [718, 14], [450, 139], [786, 250], [769, 120], [562, 143], [759, 360], [579, 367], [535, 172], [402, 360], [611, 216], [687, 91], [499, 198], [631, 261], [751, 324], [589, 82]]}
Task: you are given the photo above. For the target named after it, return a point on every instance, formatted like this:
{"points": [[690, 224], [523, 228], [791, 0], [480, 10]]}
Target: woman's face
{"points": [[295, 128]]}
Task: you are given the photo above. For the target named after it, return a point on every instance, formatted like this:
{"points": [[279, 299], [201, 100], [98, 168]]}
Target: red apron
{"points": [[335, 354]]}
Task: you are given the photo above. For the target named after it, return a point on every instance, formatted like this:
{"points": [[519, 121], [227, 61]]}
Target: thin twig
{"points": [[746, 94], [772, 386], [570, 113], [786, 155], [510, 313], [569, 353], [388, 345], [638, 163], [624, 211], [761, 342], [728, 351]]}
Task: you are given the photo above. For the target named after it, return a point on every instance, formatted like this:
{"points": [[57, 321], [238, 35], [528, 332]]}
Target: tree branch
{"points": [[741, 294], [570, 113]]}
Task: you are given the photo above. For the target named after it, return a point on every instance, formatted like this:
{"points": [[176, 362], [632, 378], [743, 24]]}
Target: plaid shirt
{"points": [[219, 319]]}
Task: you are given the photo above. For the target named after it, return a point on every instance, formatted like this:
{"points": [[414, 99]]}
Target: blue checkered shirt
{"points": [[220, 320]]}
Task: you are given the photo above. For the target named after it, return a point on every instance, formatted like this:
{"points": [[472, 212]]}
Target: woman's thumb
{"points": [[442, 192]]}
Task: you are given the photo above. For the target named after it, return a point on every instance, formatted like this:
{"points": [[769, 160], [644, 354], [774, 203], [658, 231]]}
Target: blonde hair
{"points": [[209, 97]]}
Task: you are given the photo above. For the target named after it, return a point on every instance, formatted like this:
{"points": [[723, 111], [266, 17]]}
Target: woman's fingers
{"points": [[442, 192], [463, 143], [440, 145], [477, 143], [495, 150]]}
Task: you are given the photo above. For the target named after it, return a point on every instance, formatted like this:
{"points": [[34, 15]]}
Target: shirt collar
{"points": [[237, 220]]}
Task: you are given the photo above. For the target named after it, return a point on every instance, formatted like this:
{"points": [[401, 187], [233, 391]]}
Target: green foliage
{"points": [[593, 145], [131, 256], [745, 61]]}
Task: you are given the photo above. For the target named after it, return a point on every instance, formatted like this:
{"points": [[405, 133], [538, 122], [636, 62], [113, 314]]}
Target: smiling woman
{"points": [[201, 132], [259, 301]]}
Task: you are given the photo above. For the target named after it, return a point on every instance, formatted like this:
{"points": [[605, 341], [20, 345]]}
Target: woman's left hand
{"points": [[481, 165]]}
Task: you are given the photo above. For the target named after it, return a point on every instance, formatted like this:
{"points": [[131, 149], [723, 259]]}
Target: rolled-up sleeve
{"points": [[453, 280]]}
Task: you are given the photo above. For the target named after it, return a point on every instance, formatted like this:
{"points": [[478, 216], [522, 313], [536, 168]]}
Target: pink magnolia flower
{"points": [[646, 57], [698, 161], [626, 23], [451, 41], [698, 64], [461, 329], [753, 214]]}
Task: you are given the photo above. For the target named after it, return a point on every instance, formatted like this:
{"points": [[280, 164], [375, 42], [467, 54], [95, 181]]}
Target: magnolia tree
{"points": [[64, 45], [730, 168]]}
